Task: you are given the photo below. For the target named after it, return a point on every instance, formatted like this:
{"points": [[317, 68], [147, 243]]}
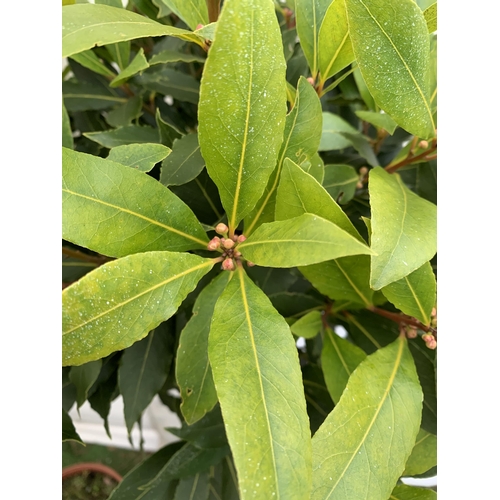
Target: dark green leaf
{"points": [[68, 429], [92, 62], [138, 64], [291, 303], [340, 181], [82, 96], [193, 488], [423, 456], [101, 399], [124, 114], [171, 56], [67, 137], [168, 133], [120, 53], [83, 378], [404, 492], [129, 134]]}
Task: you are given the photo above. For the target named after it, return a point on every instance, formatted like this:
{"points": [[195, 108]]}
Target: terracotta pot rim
{"points": [[74, 469]]}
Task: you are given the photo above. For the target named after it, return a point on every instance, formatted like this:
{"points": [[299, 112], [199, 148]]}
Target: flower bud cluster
{"points": [[362, 176], [227, 245], [430, 340]]}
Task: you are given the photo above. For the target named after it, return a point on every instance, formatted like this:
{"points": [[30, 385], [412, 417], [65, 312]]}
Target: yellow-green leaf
{"points": [[308, 326], [142, 157], [424, 454], [430, 15], [405, 492], [192, 12], [138, 63]]}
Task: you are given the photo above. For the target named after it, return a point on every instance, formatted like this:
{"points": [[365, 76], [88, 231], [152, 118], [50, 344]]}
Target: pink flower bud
{"points": [[411, 333], [199, 26], [431, 344], [227, 243], [221, 228], [214, 243], [237, 254], [228, 265], [310, 79], [359, 185], [363, 170], [423, 144], [241, 238]]}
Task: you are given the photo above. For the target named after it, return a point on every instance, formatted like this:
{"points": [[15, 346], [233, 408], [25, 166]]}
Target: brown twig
{"points": [[403, 318], [83, 256], [213, 10], [412, 159]]}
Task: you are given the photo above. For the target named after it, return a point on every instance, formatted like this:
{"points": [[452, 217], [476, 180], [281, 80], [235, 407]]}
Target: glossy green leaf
{"points": [[171, 56], [346, 278], [128, 489], [309, 15], [308, 326], [87, 25], [334, 45], [168, 132], [116, 210], [89, 60], [68, 429], [123, 300], [430, 15], [168, 81], [138, 64], [184, 164], [385, 395], [396, 77], [83, 378], [129, 134], [300, 142], [241, 124], [192, 12], [405, 492], [142, 157], [113, 3], [423, 456], [192, 369], [339, 358], [67, 137], [331, 137], [257, 376], [414, 294], [379, 120], [124, 114], [363, 90], [83, 96], [403, 229], [315, 167], [340, 181], [143, 370], [307, 239], [120, 53], [193, 488]]}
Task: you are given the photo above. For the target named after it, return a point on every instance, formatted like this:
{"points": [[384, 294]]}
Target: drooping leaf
{"points": [[403, 229], [192, 368], [414, 294], [123, 114], [430, 15], [340, 181], [299, 193], [361, 144], [364, 457], [129, 134], [396, 77], [195, 487], [87, 25], [83, 96], [423, 456], [334, 45], [307, 239], [308, 326], [339, 358], [171, 56], [83, 378], [184, 164], [168, 133], [68, 429], [192, 12], [122, 301], [67, 137], [143, 370], [300, 142], [138, 63], [379, 120], [405, 492], [257, 376], [104, 394], [243, 104], [92, 62], [142, 157], [116, 210]]}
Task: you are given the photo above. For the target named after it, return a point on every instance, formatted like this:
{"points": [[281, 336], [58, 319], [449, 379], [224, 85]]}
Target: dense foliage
{"points": [[249, 232]]}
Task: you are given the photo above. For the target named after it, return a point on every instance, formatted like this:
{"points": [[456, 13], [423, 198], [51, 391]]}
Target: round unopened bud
{"points": [[411, 333], [228, 265], [250, 264], [241, 238], [199, 26], [433, 312], [234, 237], [359, 185], [237, 254], [426, 337], [431, 344], [363, 171], [221, 228], [227, 243], [214, 243], [310, 79], [423, 144]]}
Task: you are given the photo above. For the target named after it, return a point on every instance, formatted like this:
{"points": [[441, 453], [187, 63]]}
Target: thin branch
{"points": [[83, 256], [412, 159], [213, 10], [403, 318]]}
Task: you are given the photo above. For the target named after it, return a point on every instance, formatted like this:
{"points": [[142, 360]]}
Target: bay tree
{"points": [[249, 233]]}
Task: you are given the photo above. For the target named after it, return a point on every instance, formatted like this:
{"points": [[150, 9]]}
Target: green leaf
{"points": [[241, 124], [300, 142], [89, 60], [379, 120], [257, 376], [120, 53], [396, 77], [184, 164], [414, 294], [340, 181], [168, 133], [360, 143], [331, 137], [404, 492], [142, 157], [309, 15], [68, 429], [128, 489], [82, 96], [334, 45], [138, 64], [271, 280], [67, 137], [385, 396], [315, 167], [87, 25], [195, 487], [339, 358], [129, 134], [170, 56], [292, 303], [192, 369], [116, 210], [143, 370], [307, 239], [422, 179], [142, 290], [423, 456], [430, 16], [83, 378], [403, 229], [346, 278], [192, 12], [180, 86], [308, 326], [123, 114], [363, 90]]}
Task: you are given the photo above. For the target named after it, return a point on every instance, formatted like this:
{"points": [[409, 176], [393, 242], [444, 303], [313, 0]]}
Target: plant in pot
{"points": [[249, 228]]}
